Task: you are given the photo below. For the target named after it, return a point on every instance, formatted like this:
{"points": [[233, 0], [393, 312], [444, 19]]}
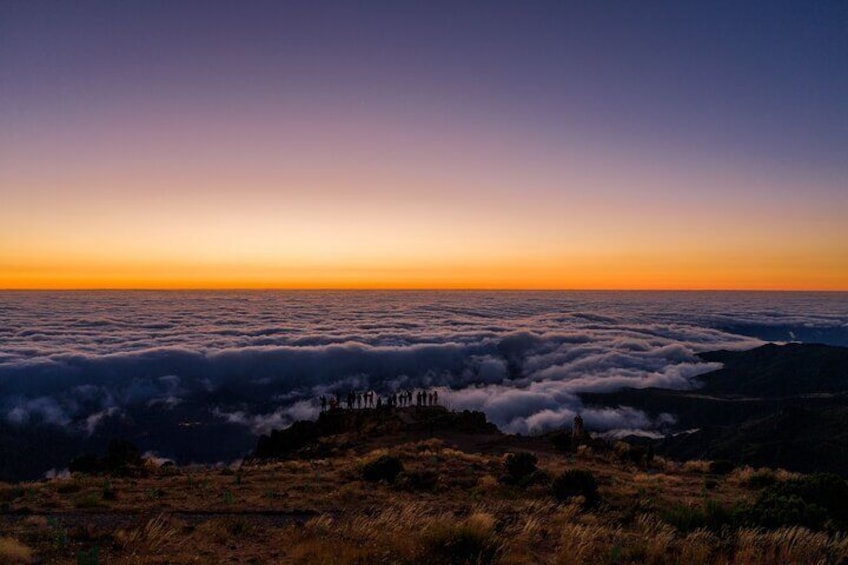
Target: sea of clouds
{"points": [[261, 359]]}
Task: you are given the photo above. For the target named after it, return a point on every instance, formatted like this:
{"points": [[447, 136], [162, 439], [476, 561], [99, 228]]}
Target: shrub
{"points": [[121, 455], [68, 487], [561, 440], [384, 468], [90, 556], [122, 458], [538, 477], [640, 455], [576, 482], [108, 492], [773, 510], [13, 551], [520, 465], [87, 500], [721, 467], [816, 502], [761, 479], [420, 480], [472, 540], [711, 516]]}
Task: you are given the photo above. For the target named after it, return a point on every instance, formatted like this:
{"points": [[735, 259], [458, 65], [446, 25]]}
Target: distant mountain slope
{"points": [[834, 334], [778, 370], [800, 438], [776, 405]]}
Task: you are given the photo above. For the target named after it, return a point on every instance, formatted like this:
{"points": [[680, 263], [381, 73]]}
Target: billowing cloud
{"points": [[280, 418], [259, 360]]}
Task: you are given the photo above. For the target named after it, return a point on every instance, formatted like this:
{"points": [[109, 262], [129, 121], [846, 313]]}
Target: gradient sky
{"points": [[424, 144]]}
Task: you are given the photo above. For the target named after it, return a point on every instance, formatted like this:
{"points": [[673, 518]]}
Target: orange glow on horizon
{"points": [[324, 150], [529, 273], [425, 220]]}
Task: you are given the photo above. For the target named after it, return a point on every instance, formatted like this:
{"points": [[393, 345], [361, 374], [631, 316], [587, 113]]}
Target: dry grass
{"points": [[789, 545], [696, 466], [153, 537], [748, 476], [408, 533], [465, 516], [13, 551]]}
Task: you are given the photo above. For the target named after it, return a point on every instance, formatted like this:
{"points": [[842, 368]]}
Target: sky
{"points": [[561, 145]]}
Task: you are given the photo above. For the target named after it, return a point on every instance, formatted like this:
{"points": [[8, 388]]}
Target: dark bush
{"points": [[122, 458], [419, 480], [89, 556], [576, 482], [384, 468], [761, 479], [470, 542], [773, 510], [817, 502], [560, 440], [109, 493], [539, 477], [88, 464], [121, 454], [520, 465], [640, 455], [711, 516], [68, 487], [721, 467]]}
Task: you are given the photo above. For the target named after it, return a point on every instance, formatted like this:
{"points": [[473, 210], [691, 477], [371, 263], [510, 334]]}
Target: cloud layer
{"points": [[260, 359]]}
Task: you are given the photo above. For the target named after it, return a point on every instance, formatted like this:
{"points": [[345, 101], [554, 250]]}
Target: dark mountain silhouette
{"points": [[778, 370], [776, 405], [828, 335]]}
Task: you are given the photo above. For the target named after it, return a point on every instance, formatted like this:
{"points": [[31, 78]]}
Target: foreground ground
{"points": [[448, 505]]}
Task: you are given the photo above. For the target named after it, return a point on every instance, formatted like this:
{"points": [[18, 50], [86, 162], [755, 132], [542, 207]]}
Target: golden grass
{"points": [[152, 537], [788, 545], [696, 466], [466, 516], [13, 551]]}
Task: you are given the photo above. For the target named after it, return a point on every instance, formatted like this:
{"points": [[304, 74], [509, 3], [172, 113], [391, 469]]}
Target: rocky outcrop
{"points": [[432, 420]]}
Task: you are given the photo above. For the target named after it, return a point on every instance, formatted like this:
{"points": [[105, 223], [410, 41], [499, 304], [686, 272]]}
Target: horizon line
{"points": [[407, 289]]}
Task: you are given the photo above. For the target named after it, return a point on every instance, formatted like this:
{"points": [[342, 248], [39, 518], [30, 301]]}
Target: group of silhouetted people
{"points": [[368, 399]]}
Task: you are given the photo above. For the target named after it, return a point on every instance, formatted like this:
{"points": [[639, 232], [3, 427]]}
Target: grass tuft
{"points": [[13, 551]]}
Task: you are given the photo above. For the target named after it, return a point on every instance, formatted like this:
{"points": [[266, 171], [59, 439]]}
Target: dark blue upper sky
{"points": [[766, 77], [667, 120]]}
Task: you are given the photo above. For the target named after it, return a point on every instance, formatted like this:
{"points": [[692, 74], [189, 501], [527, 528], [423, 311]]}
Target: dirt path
{"points": [[127, 519]]}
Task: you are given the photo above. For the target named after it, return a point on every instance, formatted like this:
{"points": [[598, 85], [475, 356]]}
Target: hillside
{"points": [[776, 405], [406, 486], [778, 371]]}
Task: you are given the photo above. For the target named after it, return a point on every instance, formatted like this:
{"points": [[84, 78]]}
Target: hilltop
{"points": [[338, 430]]}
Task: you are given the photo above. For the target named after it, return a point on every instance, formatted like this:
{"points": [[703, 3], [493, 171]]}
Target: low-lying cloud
{"points": [[260, 360]]}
